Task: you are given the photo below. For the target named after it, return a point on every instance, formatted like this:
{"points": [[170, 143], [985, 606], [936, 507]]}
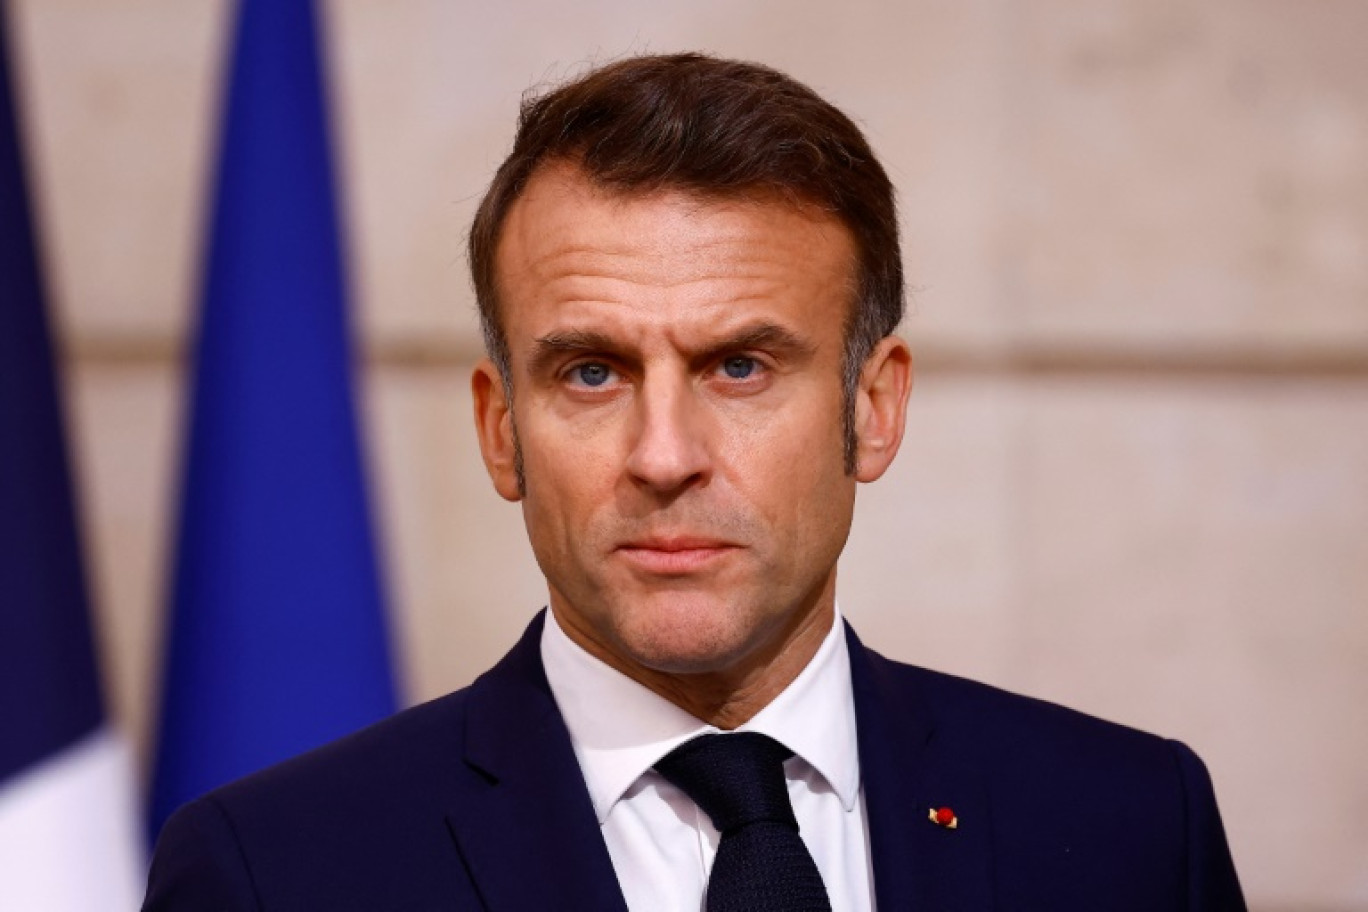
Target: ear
{"points": [[881, 407], [494, 428]]}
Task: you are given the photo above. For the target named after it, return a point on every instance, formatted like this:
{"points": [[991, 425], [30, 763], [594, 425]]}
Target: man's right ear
{"points": [[494, 427]]}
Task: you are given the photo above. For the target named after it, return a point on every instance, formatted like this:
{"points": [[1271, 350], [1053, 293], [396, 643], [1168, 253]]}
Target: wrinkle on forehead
{"points": [[564, 226]]}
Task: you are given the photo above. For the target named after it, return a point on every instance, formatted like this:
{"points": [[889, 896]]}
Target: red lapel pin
{"points": [[944, 817]]}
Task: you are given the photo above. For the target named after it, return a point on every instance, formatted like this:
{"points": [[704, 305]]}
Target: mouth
{"points": [[675, 556]]}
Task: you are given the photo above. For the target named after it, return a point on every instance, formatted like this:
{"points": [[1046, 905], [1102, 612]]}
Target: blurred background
{"points": [[1135, 478]]}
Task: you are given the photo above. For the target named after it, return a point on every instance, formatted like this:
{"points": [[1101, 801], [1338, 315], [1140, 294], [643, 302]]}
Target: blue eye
{"points": [[592, 374], [739, 368]]}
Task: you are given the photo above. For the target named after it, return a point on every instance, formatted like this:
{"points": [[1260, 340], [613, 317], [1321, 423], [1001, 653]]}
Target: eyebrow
{"points": [[769, 337], [550, 347]]}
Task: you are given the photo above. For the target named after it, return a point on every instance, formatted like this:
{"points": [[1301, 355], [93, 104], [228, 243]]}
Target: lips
{"points": [[675, 555]]}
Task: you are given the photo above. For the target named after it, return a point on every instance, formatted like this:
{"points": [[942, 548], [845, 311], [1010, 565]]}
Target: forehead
{"points": [[567, 242]]}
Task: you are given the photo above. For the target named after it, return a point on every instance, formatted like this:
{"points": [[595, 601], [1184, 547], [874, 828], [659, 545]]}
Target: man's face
{"points": [[676, 368]]}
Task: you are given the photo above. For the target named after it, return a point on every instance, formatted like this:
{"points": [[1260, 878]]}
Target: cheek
{"points": [[803, 433], [567, 447], [792, 469], [568, 483]]}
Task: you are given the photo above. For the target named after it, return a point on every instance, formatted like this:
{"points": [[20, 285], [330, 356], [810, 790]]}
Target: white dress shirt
{"points": [[662, 845]]}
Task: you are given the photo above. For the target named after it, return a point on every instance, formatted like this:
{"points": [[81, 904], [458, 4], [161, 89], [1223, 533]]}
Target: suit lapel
{"points": [[906, 771], [525, 826]]}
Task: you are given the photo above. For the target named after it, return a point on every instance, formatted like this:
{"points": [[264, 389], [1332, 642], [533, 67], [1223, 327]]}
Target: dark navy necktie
{"points": [[762, 864]]}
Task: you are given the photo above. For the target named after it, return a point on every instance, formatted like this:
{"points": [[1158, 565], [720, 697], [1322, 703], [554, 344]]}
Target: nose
{"points": [[669, 447]]}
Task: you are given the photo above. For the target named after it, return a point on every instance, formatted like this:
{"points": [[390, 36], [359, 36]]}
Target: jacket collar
{"points": [[909, 768]]}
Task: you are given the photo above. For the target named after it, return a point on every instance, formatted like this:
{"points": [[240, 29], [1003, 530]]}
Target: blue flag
{"points": [[277, 641], [66, 835]]}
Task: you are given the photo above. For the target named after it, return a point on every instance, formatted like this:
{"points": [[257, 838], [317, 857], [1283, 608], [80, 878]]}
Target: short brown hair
{"points": [[718, 128]]}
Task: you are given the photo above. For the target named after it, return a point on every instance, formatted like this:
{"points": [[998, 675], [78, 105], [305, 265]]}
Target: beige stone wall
{"points": [[1136, 474]]}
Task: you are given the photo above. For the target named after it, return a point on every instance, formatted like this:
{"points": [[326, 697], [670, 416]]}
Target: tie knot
{"points": [[737, 779]]}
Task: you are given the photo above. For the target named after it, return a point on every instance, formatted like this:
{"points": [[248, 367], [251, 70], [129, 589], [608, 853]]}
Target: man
{"points": [[689, 275]]}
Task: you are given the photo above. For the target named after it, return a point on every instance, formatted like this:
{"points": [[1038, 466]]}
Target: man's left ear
{"points": [[881, 407]]}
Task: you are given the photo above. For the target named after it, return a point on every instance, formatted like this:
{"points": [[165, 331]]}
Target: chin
{"points": [[689, 641], [695, 662]]}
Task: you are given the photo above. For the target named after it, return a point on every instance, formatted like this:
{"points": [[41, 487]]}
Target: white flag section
{"points": [[68, 833], [69, 837]]}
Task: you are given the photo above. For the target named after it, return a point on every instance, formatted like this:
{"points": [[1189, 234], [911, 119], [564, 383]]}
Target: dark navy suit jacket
{"points": [[475, 802]]}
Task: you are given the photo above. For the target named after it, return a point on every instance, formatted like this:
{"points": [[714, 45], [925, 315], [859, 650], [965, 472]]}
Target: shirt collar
{"points": [[814, 717]]}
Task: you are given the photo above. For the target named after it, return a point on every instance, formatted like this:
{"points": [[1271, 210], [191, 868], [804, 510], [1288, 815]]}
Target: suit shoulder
{"points": [[356, 824], [999, 724], [383, 762]]}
